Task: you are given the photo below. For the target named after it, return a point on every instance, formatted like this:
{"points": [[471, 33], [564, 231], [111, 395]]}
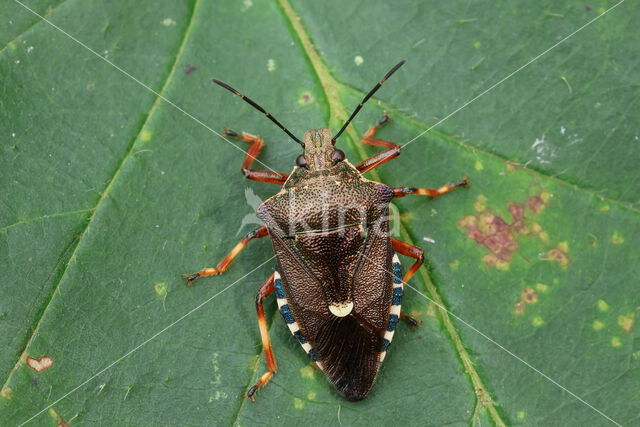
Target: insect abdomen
{"points": [[287, 315]]}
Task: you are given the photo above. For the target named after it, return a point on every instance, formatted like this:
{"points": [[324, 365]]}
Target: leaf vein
{"points": [[46, 14], [43, 217], [330, 86], [452, 139], [105, 193]]}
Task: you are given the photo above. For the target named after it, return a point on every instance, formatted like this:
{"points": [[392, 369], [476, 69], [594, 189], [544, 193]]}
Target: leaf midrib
{"points": [[338, 111], [105, 193]]}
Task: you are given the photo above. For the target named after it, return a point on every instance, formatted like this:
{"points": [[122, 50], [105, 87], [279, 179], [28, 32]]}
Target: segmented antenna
{"points": [[259, 108], [366, 98]]}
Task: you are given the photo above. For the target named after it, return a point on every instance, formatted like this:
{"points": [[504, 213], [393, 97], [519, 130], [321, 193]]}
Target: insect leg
{"points": [[254, 150], [265, 290], [393, 149], [430, 192], [411, 251], [226, 261], [413, 323]]}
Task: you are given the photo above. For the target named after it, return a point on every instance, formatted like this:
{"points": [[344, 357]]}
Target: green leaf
{"points": [[111, 190]]}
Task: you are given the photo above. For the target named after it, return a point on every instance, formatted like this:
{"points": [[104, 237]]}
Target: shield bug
{"points": [[338, 279]]}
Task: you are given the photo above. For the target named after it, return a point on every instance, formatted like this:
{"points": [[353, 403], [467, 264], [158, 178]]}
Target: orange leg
{"points": [[430, 192], [411, 251], [254, 149], [393, 149], [272, 366], [226, 261]]}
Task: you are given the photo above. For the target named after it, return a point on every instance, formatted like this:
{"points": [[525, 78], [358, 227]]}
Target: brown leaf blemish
{"points": [[602, 305], [6, 392], [60, 422], [500, 236], [542, 287], [39, 365], [626, 322], [307, 372], [528, 296], [479, 205], [560, 254], [161, 289], [536, 204], [305, 98], [188, 69], [517, 211], [537, 321], [597, 325], [617, 238]]}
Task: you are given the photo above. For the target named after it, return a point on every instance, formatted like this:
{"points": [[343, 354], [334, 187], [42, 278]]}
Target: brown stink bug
{"points": [[338, 279]]}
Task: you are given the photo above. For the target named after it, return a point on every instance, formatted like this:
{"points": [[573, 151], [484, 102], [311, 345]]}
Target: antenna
{"points": [[366, 98], [259, 108]]}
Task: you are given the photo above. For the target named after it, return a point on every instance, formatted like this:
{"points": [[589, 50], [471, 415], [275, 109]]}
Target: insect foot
{"points": [[251, 392], [190, 278], [231, 133], [464, 182], [412, 322], [385, 118]]}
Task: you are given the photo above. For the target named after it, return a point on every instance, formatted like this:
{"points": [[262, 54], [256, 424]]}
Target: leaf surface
{"points": [[112, 190]]}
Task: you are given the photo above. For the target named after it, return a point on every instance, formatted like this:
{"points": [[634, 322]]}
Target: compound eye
{"points": [[301, 161], [338, 156]]}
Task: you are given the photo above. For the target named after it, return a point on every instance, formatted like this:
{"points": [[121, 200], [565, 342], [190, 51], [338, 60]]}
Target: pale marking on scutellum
{"points": [[341, 309]]}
